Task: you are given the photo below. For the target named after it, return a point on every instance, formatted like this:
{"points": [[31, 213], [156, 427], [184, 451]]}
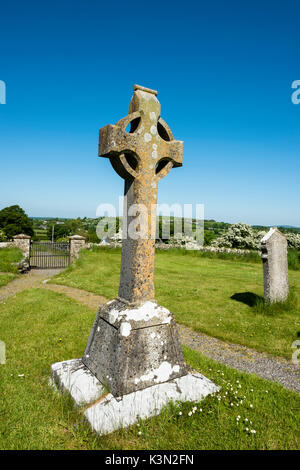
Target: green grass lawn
{"points": [[8, 256], [40, 327], [199, 291], [6, 278]]}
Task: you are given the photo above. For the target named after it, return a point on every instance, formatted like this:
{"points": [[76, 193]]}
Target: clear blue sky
{"points": [[223, 71]]}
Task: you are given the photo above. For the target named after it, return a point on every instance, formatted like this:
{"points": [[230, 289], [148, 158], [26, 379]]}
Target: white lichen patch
{"points": [[125, 329], [154, 146], [152, 116], [153, 130], [147, 311], [161, 374], [147, 137], [113, 315], [154, 154]]}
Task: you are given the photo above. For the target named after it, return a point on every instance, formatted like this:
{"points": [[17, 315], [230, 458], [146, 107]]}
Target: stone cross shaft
{"points": [[142, 156]]}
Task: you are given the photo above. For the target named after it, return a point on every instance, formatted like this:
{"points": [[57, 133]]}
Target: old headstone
{"points": [[134, 348], [275, 266]]}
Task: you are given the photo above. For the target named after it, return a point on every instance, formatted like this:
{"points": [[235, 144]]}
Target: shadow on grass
{"points": [[260, 306], [247, 298]]}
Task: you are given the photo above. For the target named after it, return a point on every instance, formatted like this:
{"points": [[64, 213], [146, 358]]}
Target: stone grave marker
{"points": [[134, 349], [275, 266]]}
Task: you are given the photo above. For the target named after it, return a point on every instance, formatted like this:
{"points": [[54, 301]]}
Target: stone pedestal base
{"points": [[106, 413], [134, 347]]}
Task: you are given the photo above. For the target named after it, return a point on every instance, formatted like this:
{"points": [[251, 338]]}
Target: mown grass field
{"points": [[212, 295], [40, 327], [6, 278]]}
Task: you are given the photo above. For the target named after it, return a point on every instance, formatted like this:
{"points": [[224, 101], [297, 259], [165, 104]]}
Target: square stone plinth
{"points": [[106, 413]]}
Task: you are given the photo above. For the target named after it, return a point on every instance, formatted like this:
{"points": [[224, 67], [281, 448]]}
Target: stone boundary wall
{"points": [[6, 244]]}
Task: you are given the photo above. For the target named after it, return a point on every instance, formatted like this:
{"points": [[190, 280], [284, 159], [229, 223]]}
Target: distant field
{"points": [[214, 296], [41, 234]]}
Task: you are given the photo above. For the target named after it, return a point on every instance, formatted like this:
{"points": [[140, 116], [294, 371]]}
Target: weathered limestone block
{"points": [[76, 244], [73, 377], [107, 413], [131, 348], [113, 413], [6, 244], [275, 266], [23, 243]]}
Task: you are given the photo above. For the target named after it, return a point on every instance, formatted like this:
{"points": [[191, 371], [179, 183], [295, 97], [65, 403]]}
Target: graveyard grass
{"points": [[48, 327], [6, 278], [8, 256], [219, 297]]}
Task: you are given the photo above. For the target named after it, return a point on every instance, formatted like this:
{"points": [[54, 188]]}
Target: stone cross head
{"points": [[148, 150]]}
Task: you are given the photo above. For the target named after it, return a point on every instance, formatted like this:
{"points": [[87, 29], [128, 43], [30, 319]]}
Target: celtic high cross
{"points": [[133, 363], [142, 156], [134, 342]]}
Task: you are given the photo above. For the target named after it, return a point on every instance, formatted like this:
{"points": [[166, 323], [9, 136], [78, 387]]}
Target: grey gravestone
{"points": [[275, 266]]}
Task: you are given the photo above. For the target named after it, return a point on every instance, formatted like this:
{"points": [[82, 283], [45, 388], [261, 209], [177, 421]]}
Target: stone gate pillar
{"points": [[76, 244], [22, 242]]}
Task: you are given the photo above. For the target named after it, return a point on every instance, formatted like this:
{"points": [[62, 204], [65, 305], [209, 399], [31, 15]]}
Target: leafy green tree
{"points": [[14, 220], [208, 237], [60, 231]]}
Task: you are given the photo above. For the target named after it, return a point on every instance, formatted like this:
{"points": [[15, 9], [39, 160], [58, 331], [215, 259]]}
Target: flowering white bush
{"points": [[293, 240], [117, 237], [240, 236]]}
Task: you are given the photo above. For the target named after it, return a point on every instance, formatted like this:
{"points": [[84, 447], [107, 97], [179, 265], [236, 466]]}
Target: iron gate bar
{"points": [[49, 255]]}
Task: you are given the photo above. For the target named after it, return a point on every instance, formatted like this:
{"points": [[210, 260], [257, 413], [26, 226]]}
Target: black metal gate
{"points": [[49, 255]]}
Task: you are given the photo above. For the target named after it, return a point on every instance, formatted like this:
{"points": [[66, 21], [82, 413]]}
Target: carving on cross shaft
{"points": [[141, 157]]}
